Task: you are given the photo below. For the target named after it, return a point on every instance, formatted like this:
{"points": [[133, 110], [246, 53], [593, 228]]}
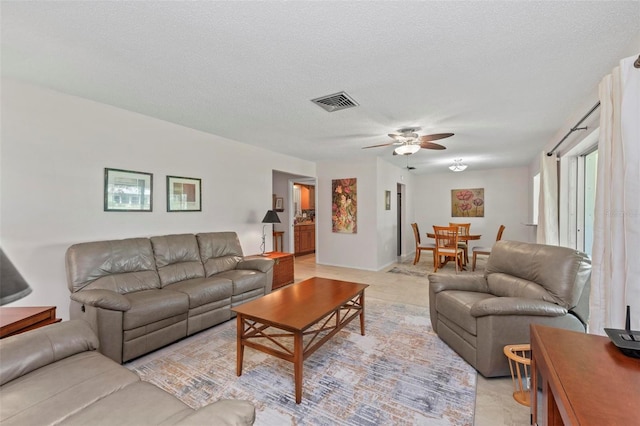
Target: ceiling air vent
{"points": [[335, 102]]}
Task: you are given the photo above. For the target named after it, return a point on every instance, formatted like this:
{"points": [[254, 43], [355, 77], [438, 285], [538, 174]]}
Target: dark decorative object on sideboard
{"points": [[627, 340]]}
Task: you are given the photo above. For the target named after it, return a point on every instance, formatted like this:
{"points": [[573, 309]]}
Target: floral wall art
{"points": [[467, 202], [344, 206]]}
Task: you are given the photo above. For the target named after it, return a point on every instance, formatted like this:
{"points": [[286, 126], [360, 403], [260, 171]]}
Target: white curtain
{"points": [[547, 232], [615, 278]]}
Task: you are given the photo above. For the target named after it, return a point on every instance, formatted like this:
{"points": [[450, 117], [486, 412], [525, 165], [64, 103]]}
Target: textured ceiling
{"points": [[503, 76]]}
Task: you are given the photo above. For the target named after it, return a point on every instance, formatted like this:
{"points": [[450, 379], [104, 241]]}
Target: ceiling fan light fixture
{"points": [[407, 149], [457, 166]]}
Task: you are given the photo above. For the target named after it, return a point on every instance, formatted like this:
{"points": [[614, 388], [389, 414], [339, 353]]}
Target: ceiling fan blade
{"points": [[431, 145], [377, 146], [435, 137]]}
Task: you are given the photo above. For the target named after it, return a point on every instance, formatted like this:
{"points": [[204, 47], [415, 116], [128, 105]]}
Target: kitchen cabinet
{"points": [[307, 197], [305, 239]]}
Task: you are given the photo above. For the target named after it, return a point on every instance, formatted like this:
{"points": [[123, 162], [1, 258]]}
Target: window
{"points": [[577, 181], [536, 199], [590, 165]]}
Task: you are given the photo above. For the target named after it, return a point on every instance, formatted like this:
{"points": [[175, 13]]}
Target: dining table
{"points": [[465, 238]]}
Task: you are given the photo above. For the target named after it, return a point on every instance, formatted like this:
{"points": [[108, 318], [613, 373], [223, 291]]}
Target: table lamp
{"points": [[270, 217], [12, 285]]}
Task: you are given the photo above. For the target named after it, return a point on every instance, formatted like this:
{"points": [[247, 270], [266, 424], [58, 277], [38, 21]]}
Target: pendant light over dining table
{"points": [[457, 166]]}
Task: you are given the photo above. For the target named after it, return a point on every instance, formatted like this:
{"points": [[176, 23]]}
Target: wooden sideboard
{"points": [[15, 320], [585, 380], [282, 269]]}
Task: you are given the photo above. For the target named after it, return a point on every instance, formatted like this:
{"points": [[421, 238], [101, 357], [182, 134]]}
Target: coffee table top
{"points": [[301, 305]]}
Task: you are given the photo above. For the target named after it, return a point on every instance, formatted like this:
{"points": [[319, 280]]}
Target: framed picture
{"points": [[183, 194], [387, 200], [127, 191], [344, 209], [467, 202], [279, 204]]}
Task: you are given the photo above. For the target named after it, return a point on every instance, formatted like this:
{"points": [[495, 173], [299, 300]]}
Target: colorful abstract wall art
{"points": [[344, 217], [467, 202]]}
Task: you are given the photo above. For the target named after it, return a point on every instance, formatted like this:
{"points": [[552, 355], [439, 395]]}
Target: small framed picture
{"points": [[127, 191], [387, 200], [279, 204], [183, 194]]}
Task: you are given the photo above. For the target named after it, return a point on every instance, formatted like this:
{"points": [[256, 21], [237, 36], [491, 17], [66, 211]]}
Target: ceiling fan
{"points": [[409, 142], [408, 166]]}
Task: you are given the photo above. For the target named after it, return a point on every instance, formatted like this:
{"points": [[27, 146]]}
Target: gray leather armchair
{"points": [[524, 283]]}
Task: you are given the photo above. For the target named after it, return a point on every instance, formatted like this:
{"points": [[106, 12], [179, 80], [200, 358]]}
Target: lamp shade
{"points": [[271, 217], [12, 285]]}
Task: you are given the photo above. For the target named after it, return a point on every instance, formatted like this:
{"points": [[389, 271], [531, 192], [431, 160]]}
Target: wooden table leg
{"points": [[362, 313], [239, 344], [298, 359]]}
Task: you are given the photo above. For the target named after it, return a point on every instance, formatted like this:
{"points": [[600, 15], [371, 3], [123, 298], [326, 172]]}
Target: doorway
{"points": [[400, 220], [302, 216]]}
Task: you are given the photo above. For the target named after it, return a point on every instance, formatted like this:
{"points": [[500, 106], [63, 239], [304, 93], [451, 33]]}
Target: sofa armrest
{"points": [[261, 264], [516, 306], [23, 353], [226, 412], [471, 282], [105, 299]]}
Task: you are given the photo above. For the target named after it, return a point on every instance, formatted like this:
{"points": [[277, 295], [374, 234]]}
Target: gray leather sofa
{"points": [[140, 294], [54, 375], [478, 314]]}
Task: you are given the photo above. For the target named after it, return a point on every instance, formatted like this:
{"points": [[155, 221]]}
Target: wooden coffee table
{"points": [[292, 323]]}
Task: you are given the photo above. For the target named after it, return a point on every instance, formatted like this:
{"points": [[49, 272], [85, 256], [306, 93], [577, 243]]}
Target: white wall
{"points": [[506, 193], [387, 228], [355, 250], [374, 245], [54, 151]]}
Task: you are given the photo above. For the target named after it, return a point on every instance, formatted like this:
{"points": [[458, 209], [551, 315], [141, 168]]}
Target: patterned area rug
{"points": [[425, 267], [400, 373], [421, 269]]}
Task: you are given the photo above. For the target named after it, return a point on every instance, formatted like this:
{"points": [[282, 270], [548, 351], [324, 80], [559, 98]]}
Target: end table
{"points": [[20, 319], [282, 269]]}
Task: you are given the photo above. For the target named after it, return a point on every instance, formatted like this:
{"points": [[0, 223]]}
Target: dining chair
{"points": [[485, 251], [419, 246], [463, 230], [447, 246]]}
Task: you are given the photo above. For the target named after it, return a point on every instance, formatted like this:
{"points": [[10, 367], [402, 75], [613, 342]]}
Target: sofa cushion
{"points": [[122, 266], [563, 272], [244, 280], [219, 251], [21, 354], [150, 306], [204, 290], [51, 393], [144, 403], [505, 285], [456, 306], [177, 258]]}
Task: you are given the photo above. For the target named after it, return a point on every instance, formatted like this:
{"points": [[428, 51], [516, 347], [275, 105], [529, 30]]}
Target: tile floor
{"points": [[494, 402]]}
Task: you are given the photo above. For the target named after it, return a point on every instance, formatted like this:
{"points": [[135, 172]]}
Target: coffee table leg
{"points": [[362, 313], [240, 345], [298, 359]]}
